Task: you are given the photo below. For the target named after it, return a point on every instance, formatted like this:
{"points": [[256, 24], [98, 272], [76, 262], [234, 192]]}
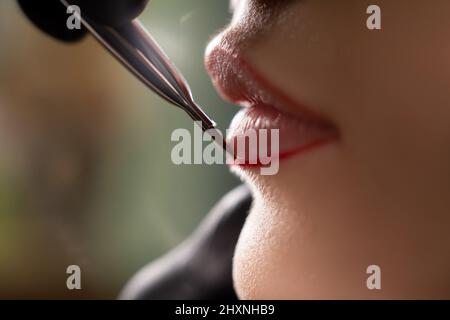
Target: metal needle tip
{"points": [[135, 48]]}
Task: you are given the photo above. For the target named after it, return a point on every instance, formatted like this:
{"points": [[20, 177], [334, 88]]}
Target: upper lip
{"points": [[240, 83]]}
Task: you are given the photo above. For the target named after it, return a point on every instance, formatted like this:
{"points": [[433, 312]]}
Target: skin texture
{"points": [[379, 195]]}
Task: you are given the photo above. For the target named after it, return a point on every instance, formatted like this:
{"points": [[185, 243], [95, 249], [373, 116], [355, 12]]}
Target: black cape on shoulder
{"points": [[200, 267]]}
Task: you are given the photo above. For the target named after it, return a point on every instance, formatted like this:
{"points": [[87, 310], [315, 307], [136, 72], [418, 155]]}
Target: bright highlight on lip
{"points": [[295, 134]]}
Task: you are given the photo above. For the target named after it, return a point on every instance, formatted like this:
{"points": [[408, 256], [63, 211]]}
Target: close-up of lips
{"points": [[265, 107], [331, 180]]}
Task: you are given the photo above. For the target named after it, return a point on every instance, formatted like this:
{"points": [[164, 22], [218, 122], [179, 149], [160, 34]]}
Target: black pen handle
{"points": [[51, 15]]}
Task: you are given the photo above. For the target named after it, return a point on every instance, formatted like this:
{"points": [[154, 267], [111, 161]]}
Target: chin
{"points": [[275, 254]]}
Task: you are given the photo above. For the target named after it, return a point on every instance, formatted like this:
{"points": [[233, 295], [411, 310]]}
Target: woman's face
{"points": [[378, 192]]}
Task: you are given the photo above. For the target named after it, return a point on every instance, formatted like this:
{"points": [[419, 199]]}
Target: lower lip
{"points": [[297, 135]]}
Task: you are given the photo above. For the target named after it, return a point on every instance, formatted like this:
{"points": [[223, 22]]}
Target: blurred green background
{"points": [[85, 170]]}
